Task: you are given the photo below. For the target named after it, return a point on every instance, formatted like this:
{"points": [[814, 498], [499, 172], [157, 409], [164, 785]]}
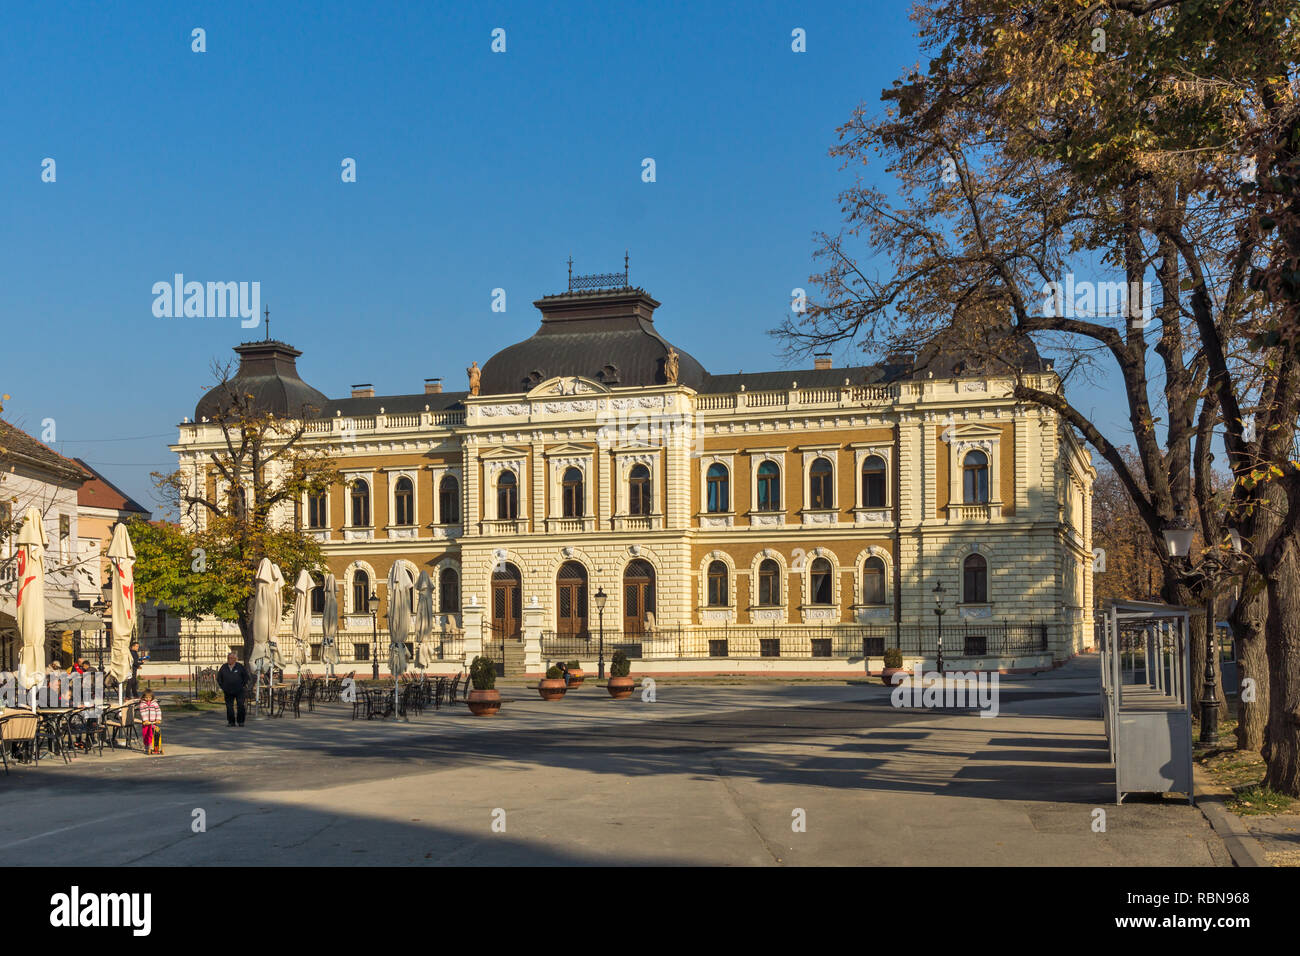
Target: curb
{"points": [[1242, 847]]}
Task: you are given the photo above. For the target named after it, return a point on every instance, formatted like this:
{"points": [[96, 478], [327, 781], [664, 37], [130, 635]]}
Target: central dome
{"points": [[607, 335]]}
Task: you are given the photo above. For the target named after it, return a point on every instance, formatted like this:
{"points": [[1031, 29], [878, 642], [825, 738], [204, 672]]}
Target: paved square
{"points": [[704, 775]]}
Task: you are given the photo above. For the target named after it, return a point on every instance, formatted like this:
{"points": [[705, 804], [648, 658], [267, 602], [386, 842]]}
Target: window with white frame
{"points": [[873, 581], [359, 503], [404, 501], [769, 486], [821, 582], [449, 500], [821, 484]]}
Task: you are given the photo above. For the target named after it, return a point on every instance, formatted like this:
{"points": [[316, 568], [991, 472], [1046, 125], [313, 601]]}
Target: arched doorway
{"points": [[638, 596], [571, 599], [507, 602]]}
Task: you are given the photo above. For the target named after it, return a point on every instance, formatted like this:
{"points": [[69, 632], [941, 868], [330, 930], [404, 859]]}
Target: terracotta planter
{"points": [[551, 688], [576, 676], [484, 703], [887, 675], [620, 688]]}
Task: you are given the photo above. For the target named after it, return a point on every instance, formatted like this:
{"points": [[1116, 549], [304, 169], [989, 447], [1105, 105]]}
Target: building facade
{"points": [[791, 520]]}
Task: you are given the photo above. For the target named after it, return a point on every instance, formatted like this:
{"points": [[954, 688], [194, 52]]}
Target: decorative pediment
{"points": [[504, 452], [566, 385], [570, 451], [973, 431]]}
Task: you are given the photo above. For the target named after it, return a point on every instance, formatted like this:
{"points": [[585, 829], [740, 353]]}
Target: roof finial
{"points": [[267, 313], [625, 284], [570, 273]]}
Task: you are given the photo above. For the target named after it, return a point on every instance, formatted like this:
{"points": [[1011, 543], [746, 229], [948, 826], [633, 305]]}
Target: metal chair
{"points": [[18, 729]]}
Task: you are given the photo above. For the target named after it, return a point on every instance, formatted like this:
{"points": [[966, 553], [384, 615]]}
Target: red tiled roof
{"points": [[99, 492], [16, 445]]}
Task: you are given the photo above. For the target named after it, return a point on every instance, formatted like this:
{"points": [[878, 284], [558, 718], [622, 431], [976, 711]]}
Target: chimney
{"points": [[363, 391], [822, 361], [432, 386]]}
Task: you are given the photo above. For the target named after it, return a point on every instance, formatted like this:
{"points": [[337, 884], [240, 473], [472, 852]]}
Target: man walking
{"points": [[133, 685], [233, 681]]}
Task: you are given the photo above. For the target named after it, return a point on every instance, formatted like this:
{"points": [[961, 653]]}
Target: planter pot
{"points": [[484, 703], [576, 678], [620, 688], [887, 675], [551, 688]]}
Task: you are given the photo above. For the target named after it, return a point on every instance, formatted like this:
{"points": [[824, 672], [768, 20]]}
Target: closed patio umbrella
{"points": [[121, 556], [423, 620], [329, 625], [32, 542], [301, 618], [399, 617], [277, 593], [265, 621]]}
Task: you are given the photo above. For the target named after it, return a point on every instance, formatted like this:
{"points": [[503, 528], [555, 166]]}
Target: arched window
{"points": [[821, 476], [318, 600], [873, 482], [360, 592], [638, 491], [769, 583], [975, 580], [449, 500], [822, 590], [718, 584], [360, 503], [975, 478], [571, 599], [873, 581], [769, 487], [317, 515], [448, 591], [507, 496], [638, 596], [404, 502], [718, 487], [571, 493]]}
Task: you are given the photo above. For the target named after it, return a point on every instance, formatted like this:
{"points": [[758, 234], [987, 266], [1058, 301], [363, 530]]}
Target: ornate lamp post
{"points": [[601, 597], [373, 602], [1178, 536], [939, 611]]}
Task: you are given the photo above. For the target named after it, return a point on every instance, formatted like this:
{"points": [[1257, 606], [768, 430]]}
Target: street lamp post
{"points": [[1178, 536], [373, 601], [939, 611], [104, 607], [601, 597]]}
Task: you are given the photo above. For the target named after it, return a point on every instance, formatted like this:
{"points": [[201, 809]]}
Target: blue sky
{"points": [[475, 171]]}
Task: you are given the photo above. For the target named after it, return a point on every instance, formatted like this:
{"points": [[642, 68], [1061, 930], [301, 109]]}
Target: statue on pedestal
{"points": [[475, 374]]}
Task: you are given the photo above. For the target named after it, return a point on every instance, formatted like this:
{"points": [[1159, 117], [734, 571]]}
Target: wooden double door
{"points": [[507, 602], [638, 596], [571, 600]]}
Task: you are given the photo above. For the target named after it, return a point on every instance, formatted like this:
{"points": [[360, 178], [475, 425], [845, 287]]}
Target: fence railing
{"points": [[353, 647], [967, 640]]}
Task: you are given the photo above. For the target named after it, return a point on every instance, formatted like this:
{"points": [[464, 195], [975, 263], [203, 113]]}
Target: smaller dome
{"points": [[267, 371]]}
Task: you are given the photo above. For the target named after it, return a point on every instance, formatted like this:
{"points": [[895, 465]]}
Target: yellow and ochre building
{"points": [[794, 519]]}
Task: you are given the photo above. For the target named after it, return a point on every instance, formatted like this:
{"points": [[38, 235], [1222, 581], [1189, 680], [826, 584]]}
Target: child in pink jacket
{"points": [[151, 720]]}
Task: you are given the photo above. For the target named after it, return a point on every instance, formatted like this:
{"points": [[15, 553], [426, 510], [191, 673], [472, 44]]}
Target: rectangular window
{"points": [[769, 647], [361, 652], [976, 645], [821, 647], [873, 647], [316, 516], [718, 648]]}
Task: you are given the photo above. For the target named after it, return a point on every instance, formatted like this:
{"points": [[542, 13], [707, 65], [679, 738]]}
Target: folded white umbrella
{"points": [[264, 617], [32, 542], [277, 583], [329, 624], [399, 617], [121, 556], [423, 620], [301, 617]]}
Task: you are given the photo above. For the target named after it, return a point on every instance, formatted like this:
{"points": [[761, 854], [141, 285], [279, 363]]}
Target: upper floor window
{"points": [[769, 487], [507, 496], [317, 513], [820, 577], [769, 583], [318, 600], [975, 478], [404, 501], [360, 592], [449, 500], [873, 482], [821, 492], [873, 581], [719, 498], [717, 584], [448, 591], [571, 493], [975, 580], [638, 488], [360, 503]]}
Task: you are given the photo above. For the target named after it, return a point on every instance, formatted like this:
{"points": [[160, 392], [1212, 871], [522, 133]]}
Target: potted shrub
{"points": [[484, 699], [620, 684], [551, 687], [893, 665], [575, 674]]}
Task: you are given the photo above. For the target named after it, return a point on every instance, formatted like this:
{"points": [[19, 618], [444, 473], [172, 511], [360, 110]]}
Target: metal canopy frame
{"points": [[1148, 723]]}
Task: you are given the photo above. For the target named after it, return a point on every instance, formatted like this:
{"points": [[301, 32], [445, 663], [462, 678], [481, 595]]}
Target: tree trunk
{"points": [[246, 631], [1248, 620], [1283, 640]]}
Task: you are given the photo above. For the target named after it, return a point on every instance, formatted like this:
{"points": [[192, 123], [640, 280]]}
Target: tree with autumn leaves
{"points": [[247, 497], [1138, 144]]}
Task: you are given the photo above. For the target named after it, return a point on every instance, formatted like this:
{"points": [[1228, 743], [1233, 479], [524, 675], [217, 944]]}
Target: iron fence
{"points": [[969, 639], [354, 647]]}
